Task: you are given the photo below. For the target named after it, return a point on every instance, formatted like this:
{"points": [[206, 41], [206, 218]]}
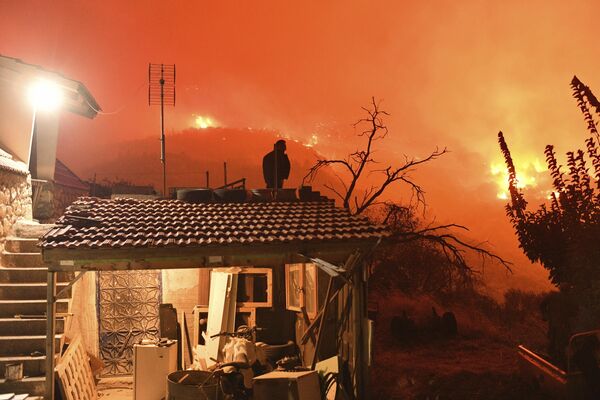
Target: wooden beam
{"points": [[322, 324], [210, 253], [307, 323]]}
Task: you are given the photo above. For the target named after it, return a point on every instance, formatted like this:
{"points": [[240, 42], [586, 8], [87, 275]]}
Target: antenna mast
{"points": [[161, 91]]}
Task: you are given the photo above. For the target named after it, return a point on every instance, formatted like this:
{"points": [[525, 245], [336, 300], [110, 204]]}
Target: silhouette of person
{"points": [[276, 166]]}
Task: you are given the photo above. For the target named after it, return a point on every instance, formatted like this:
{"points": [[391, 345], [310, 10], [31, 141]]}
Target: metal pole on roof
{"points": [[161, 91]]}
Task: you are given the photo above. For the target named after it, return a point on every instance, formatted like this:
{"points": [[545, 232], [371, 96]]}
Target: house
{"points": [[312, 252], [52, 197], [32, 99]]}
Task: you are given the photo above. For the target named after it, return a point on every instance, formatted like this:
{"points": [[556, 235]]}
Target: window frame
{"points": [[305, 269]]}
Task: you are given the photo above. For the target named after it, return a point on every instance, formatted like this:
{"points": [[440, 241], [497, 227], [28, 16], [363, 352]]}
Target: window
{"points": [[301, 288], [255, 287]]}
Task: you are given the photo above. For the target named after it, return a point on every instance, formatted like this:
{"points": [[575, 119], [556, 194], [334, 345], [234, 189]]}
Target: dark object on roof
{"points": [[276, 166], [231, 195], [195, 195], [63, 176], [128, 223]]}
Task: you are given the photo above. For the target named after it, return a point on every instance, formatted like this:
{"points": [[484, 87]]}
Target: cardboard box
{"points": [[282, 385]]}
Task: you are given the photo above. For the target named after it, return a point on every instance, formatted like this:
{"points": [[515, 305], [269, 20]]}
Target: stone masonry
{"points": [[15, 198]]}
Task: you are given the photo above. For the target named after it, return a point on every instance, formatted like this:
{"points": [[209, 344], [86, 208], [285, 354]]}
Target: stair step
{"points": [[22, 260], [31, 229], [10, 308], [32, 366], [25, 345], [28, 291], [28, 327], [21, 275], [21, 245], [34, 386]]}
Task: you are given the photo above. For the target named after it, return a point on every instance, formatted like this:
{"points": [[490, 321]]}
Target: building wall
{"points": [[183, 289], [16, 116], [15, 201]]}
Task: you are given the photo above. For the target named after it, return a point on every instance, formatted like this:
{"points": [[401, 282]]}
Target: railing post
{"points": [[50, 334]]}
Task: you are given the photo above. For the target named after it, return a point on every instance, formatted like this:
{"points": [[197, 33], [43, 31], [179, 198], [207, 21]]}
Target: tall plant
{"points": [[564, 235]]}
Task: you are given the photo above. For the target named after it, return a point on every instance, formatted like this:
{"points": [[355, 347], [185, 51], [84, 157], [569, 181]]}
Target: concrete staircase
{"points": [[23, 308]]}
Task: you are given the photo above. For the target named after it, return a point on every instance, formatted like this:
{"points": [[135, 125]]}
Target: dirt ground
{"points": [[480, 362]]}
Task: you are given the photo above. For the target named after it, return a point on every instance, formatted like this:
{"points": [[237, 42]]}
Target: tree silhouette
{"points": [[357, 166], [564, 235], [408, 232]]}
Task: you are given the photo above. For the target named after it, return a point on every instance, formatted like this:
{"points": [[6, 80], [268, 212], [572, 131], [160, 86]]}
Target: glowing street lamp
{"points": [[45, 95]]}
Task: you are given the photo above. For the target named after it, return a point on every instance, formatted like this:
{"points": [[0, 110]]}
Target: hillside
{"points": [[190, 154]]}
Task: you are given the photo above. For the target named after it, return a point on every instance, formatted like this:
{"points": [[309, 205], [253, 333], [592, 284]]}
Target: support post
{"points": [[50, 333], [359, 314]]}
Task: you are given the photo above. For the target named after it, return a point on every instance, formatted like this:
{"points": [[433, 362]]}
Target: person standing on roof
{"points": [[276, 166]]}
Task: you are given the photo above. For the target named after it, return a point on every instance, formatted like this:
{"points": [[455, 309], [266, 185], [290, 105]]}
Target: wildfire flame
{"points": [[312, 141], [528, 176], [203, 122]]}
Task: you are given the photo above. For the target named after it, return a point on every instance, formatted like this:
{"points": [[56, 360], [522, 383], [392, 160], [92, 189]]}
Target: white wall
{"points": [[16, 116], [16, 119]]}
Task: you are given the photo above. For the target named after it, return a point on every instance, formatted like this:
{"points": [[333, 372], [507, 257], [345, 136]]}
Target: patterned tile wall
{"points": [[128, 303]]}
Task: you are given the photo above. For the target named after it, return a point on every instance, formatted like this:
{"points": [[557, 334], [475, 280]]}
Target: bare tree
{"points": [[356, 167], [400, 218]]}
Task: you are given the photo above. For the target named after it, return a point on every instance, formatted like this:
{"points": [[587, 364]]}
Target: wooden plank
{"points": [[75, 373], [174, 263], [306, 319], [319, 249], [203, 286], [219, 287], [185, 337], [221, 311], [321, 325]]}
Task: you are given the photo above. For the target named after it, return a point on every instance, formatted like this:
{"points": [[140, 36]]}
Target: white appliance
{"points": [[151, 366]]}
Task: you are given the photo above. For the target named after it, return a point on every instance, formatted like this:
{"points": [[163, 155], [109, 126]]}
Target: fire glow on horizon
{"points": [[203, 122], [529, 176]]}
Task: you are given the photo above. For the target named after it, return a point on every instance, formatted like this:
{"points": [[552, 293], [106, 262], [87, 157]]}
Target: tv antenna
{"points": [[161, 91]]}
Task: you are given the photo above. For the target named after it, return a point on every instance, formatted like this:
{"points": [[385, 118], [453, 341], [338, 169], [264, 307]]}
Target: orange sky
{"points": [[450, 73]]}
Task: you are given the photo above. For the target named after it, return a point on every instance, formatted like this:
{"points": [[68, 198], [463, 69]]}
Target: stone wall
{"points": [[54, 199], [15, 200]]}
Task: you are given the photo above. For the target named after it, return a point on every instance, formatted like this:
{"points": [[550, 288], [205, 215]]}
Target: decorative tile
{"points": [[128, 304]]}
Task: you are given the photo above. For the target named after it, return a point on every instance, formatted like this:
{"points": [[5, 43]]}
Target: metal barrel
{"points": [[193, 385]]}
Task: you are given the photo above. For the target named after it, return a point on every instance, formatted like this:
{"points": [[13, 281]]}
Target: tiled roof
{"points": [[65, 177], [92, 223]]}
